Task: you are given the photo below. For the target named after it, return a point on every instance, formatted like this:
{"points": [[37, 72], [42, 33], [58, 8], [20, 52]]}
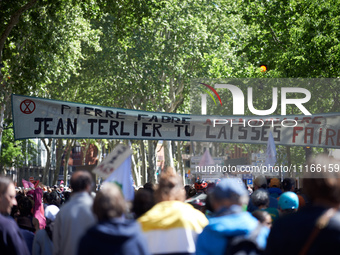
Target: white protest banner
{"points": [[44, 118], [113, 161]]}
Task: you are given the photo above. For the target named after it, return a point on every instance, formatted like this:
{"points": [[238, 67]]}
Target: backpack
{"points": [[244, 244]]}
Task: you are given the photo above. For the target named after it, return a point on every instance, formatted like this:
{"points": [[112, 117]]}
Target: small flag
{"points": [[27, 184], [113, 161]]}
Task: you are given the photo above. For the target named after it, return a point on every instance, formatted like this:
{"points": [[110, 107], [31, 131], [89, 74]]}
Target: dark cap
{"points": [[228, 188]]}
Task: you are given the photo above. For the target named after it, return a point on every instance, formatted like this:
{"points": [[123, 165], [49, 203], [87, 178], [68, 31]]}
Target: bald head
{"points": [[81, 181], [7, 195]]}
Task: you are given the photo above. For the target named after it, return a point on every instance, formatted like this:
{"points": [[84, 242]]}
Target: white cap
{"points": [[51, 212]]}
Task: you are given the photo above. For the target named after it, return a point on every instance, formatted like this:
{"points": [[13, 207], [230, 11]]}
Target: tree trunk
{"points": [[198, 148], [113, 144], [144, 171], [2, 118], [168, 159], [6, 100], [326, 151], [135, 174], [289, 159], [100, 146], [152, 162], [59, 155], [69, 146], [84, 150], [180, 161], [46, 177]]}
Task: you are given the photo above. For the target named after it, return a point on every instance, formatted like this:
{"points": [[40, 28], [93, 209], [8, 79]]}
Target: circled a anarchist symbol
{"points": [[27, 106]]}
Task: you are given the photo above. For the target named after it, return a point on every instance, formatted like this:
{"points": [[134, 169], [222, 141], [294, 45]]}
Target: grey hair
{"points": [[260, 197]]}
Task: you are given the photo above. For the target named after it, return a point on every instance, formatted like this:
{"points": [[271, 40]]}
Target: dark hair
{"points": [[67, 195], [109, 202], [53, 198], [190, 191], [45, 196], [149, 186], [287, 211], [143, 202], [80, 180], [288, 184], [260, 215], [25, 206]]}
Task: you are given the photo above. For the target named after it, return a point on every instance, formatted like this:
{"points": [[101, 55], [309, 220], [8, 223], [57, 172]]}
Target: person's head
{"points": [[109, 202], [302, 202], [260, 198], [45, 197], [25, 206], [169, 188], [67, 195], [81, 181], [227, 193], [51, 212], [142, 202], [260, 182], [187, 189], [190, 191], [274, 183], [149, 186], [201, 186], [288, 184], [288, 202], [263, 217], [53, 198], [322, 187], [7, 195]]}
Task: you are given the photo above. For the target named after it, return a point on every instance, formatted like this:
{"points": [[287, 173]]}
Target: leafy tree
{"points": [[41, 42], [15, 153], [152, 67], [296, 39]]}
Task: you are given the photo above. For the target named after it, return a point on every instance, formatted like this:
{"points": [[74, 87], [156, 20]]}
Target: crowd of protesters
{"points": [[167, 218]]}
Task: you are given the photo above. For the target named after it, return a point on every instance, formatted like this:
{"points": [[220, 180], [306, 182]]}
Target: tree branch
{"points": [[276, 39], [13, 21]]}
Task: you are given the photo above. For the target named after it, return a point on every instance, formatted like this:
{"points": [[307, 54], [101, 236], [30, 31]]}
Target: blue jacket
{"points": [[116, 237], [275, 192], [11, 239], [213, 239]]}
